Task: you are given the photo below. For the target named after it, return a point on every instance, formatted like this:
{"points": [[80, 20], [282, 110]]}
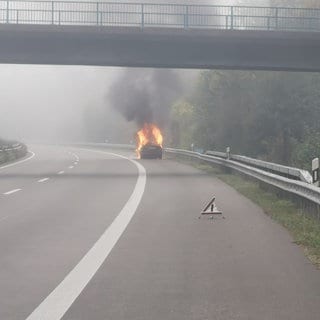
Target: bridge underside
{"points": [[165, 48]]}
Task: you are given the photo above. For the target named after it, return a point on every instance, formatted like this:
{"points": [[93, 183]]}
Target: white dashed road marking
{"points": [[43, 180], [12, 191], [61, 172]]}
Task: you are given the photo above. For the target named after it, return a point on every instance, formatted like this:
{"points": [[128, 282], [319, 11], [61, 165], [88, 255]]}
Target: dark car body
{"points": [[151, 151]]}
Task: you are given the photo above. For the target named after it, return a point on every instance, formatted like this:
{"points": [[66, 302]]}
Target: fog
{"points": [[61, 104], [72, 103], [49, 103]]}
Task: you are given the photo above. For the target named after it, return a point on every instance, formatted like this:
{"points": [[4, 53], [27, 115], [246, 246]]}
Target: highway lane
{"points": [[38, 166], [168, 264], [50, 226]]}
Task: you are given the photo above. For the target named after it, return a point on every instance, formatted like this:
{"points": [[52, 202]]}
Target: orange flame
{"points": [[149, 134]]}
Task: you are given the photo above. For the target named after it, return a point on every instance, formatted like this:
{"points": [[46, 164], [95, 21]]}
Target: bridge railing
{"points": [[159, 15]]}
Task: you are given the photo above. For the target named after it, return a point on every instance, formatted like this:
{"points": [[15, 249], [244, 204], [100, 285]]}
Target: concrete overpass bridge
{"points": [[157, 35]]}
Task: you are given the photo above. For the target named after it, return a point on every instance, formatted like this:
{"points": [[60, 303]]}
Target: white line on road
{"points": [[43, 180], [61, 172], [63, 296], [17, 162], [12, 191], [71, 167]]}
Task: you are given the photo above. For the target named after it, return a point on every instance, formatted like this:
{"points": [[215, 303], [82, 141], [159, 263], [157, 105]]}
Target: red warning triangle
{"points": [[211, 208]]}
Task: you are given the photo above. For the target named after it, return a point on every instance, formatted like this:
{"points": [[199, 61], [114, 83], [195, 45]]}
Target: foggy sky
{"points": [[47, 102]]}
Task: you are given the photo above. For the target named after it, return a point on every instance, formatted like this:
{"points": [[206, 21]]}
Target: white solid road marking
{"points": [[12, 191], [61, 172], [17, 162], [63, 296], [43, 180]]}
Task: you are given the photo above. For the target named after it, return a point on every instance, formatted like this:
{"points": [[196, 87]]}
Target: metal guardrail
{"points": [[159, 15], [299, 188], [288, 172]]}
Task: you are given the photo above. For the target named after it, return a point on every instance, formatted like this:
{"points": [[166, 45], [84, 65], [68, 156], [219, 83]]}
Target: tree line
{"points": [[268, 115]]}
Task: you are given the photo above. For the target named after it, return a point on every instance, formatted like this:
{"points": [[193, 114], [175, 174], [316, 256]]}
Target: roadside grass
{"points": [[304, 228]]}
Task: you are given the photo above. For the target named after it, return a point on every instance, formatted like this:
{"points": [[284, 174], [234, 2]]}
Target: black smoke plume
{"points": [[146, 95]]}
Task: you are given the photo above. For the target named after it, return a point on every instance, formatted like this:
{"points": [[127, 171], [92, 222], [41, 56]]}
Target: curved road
{"points": [[86, 234]]}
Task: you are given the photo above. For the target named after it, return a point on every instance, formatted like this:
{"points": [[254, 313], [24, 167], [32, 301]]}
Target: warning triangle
{"points": [[211, 208]]}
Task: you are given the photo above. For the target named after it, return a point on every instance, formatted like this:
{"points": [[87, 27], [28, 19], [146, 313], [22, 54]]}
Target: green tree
{"points": [[261, 114], [182, 124], [307, 150]]}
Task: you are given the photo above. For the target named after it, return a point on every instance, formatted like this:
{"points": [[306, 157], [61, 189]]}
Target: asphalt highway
{"points": [[94, 234]]}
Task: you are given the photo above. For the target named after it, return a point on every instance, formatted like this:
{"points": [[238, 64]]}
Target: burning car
{"points": [[149, 142], [151, 151]]}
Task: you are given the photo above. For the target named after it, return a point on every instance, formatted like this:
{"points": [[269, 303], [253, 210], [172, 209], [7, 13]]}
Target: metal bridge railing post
{"points": [[7, 11], [142, 16], [186, 17], [277, 13], [52, 12], [231, 23], [97, 4]]}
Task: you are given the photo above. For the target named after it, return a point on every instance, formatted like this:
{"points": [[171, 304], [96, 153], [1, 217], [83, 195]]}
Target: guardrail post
{"points": [[231, 24], [228, 153], [59, 15], [276, 16], [17, 17], [186, 17], [8, 11], [315, 171], [52, 12], [142, 15]]}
